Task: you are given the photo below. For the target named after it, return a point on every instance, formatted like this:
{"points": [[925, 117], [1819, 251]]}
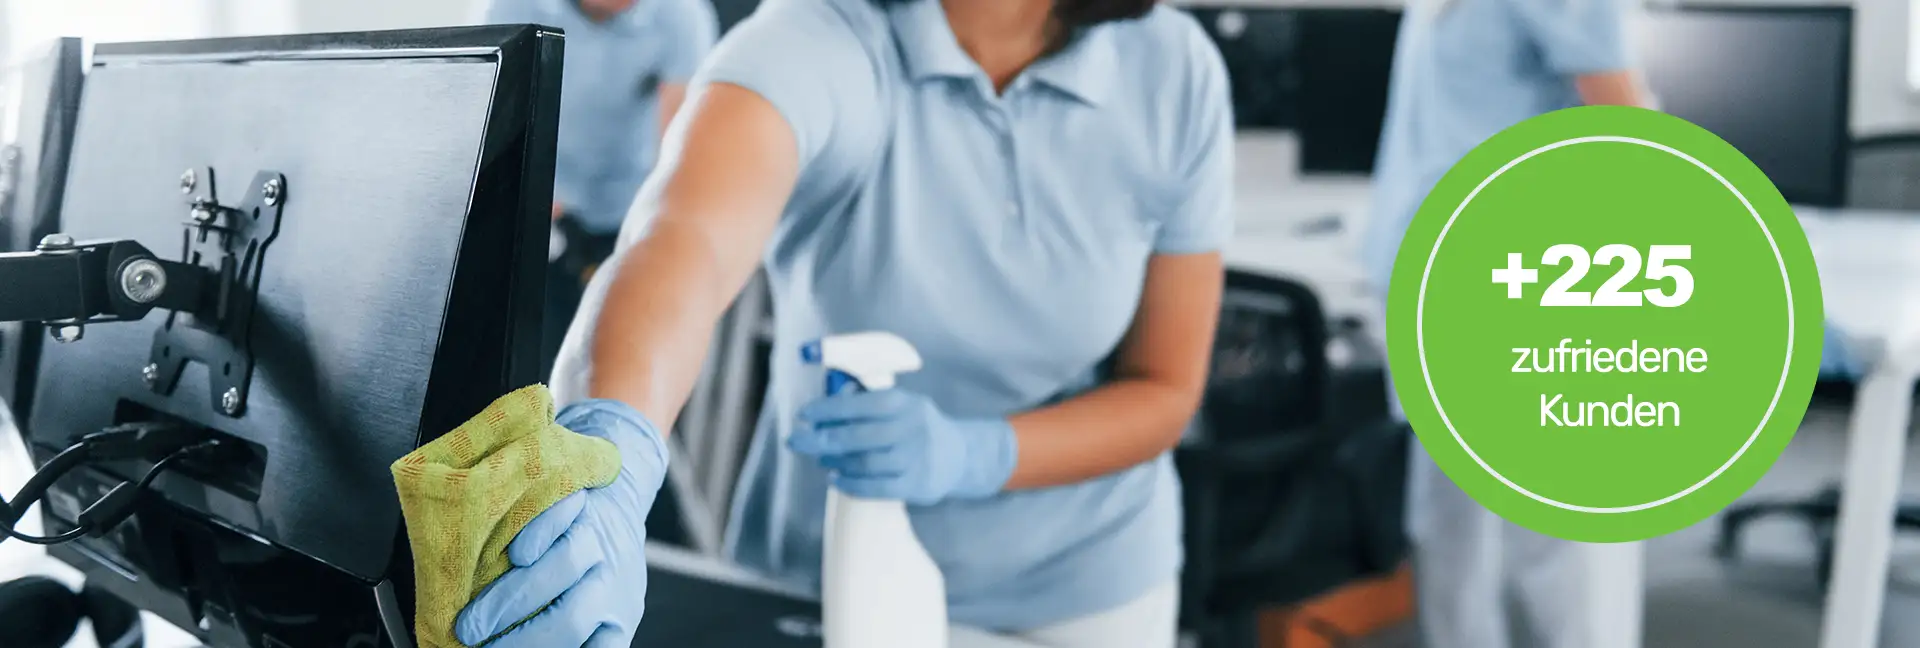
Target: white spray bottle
{"points": [[879, 588]]}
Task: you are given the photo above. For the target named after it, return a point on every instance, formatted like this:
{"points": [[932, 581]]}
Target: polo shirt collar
{"points": [[927, 44], [1085, 69]]}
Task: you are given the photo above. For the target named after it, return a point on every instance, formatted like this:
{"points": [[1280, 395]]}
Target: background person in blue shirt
{"points": [[1032, 192], [1465, 70], [626, 72]]}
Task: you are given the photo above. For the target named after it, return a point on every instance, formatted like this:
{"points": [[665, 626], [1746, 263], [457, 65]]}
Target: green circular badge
{"points": [[1605, 324]]}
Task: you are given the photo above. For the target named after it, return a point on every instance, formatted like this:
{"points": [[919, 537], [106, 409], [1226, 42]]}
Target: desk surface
{"points": [[780, 617], [1870, 278]]}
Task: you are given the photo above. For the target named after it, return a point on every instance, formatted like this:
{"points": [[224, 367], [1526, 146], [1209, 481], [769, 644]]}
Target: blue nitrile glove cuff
{"points": [[992, 452], [625, 426], [579, 568]]}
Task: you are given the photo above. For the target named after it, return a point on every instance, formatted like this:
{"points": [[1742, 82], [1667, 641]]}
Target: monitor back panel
{"points": [[399, 297]]}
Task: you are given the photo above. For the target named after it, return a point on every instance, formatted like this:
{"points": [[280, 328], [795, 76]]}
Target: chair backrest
{"points": [[1884, 172], [1269, 369]]}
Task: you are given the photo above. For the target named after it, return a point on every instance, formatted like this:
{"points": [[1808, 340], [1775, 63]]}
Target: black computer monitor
{"points": [[1773, 81], [1260, 48], [1321, 72], [1346, 65], [44, 100], [411, 174]]}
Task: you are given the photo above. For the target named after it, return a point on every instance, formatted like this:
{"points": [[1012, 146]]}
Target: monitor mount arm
{"points": [[209, 295]]}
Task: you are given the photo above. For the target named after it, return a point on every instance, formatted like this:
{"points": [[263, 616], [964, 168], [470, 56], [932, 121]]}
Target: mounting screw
{"points": [[56, 242], [202, 214], [188, 181], [143, 280], [271, 192], [150, 373], [230, 401]]}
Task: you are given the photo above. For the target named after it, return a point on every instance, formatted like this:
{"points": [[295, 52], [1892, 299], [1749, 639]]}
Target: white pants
{"points": [[1484, 582], [1151, 621]]}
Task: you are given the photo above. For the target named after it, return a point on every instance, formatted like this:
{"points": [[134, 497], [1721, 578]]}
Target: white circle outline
{"points": [[1420, 316]]}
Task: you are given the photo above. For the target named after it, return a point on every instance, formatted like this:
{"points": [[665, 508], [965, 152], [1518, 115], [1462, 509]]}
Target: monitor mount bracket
{"points": [[209, 294]]}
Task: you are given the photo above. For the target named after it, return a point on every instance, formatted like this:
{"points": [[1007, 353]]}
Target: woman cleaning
{"points": [[1465, 70], [1032, 192]]}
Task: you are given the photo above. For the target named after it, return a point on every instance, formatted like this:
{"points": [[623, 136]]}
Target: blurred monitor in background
{"points": [[1319, 72], [1260, 46], [1771, 80], [1345, 58]]}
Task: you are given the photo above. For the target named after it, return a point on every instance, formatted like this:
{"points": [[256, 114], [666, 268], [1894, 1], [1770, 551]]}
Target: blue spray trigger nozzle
{"points": [[810, 353], [840, 382]]}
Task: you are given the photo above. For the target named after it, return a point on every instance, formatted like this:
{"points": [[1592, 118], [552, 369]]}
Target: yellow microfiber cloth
{"points": [[466, 495]]}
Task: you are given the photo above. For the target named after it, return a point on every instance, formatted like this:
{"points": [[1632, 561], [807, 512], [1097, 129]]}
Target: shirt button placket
{"points": [[1008, 143]]}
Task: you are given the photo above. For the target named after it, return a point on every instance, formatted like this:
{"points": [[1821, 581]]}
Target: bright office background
{"points": [[1885, 75], [1886, 94]]}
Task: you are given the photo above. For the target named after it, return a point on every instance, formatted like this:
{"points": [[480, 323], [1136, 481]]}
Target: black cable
{"points": [[154, 471], [117, 504], [45, 541], [37, 486]]}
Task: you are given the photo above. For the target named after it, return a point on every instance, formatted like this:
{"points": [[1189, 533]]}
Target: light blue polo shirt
{"points": [[1007, 238], [609, 108], [1465, 70]]}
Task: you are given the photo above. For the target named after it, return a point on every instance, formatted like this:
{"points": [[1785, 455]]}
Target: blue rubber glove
{"points": [[896, 444], [584, 559]]}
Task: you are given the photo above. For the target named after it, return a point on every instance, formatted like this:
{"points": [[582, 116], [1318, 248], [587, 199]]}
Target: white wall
{"points": [[1882, 100], [33, 23], [356, 15]]}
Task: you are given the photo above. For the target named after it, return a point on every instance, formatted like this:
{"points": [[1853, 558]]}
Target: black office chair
{"points": [[1883, 174], [1285, 500]]}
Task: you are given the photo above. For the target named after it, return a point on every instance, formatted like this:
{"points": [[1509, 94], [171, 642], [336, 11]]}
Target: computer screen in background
{"points": [[1345, 58], [1321, 73], [1260, 48], [1774, 82]]}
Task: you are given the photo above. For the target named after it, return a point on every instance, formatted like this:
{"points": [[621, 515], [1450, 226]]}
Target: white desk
{"points": [[1870, 280], [1309, 232], [686, 562]]}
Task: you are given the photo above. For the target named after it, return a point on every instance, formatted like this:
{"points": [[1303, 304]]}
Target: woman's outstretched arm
{"points": [[696, 233]]}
